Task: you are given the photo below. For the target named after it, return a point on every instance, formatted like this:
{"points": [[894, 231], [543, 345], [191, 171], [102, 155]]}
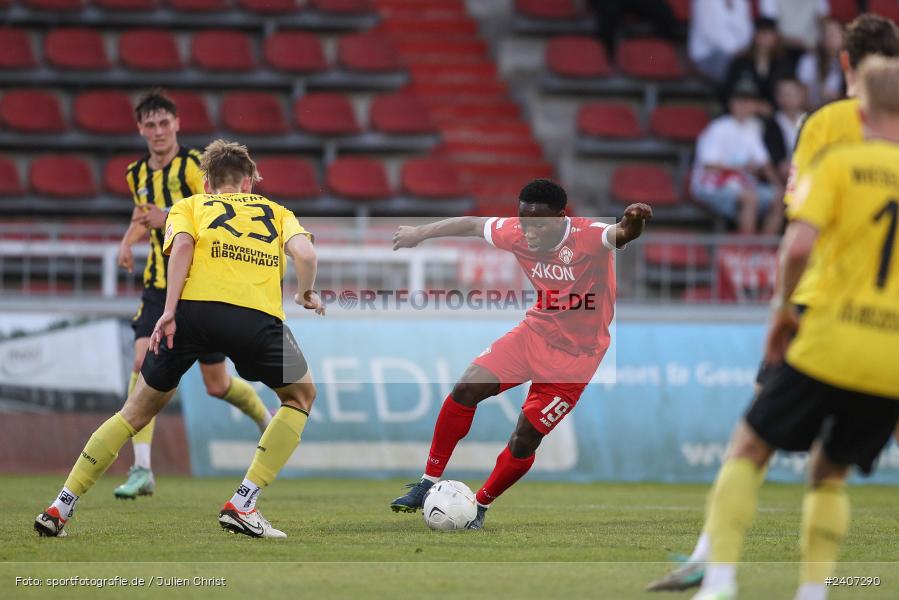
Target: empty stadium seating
{"points": [[104, 112], [62, 176], [432, 178], [295, 52], [15, 49], [643, 183], [288, 178], [149, 50], [609, 120], [257, 113], [31, 111], [326, 114], [221, 50], [114, 171], [76, 48], [400, 114], [571, 56], [10, 182], [358, 178]]}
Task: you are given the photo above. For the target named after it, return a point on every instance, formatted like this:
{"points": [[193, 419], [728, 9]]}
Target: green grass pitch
{"points": [[543, 540]]}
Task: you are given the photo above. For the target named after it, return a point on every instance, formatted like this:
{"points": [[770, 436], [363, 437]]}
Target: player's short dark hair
{"points": [[870, 34], [153, 101], [544, 191]]}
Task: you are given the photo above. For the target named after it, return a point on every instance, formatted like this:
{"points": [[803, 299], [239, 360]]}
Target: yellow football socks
{"points": [[825, 521], [145, 435], [101, 450], [731, 508], [132, 381], [276, 445], [242, 395]]}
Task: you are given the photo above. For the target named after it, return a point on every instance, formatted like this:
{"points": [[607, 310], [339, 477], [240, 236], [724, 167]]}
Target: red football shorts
{"points": [[557, 378]]}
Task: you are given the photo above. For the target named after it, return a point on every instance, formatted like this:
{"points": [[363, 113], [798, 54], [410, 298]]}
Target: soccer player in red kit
{"points": [[557, 347]]}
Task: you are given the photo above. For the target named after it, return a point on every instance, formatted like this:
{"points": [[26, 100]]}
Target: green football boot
{"points": [[140, 483]]}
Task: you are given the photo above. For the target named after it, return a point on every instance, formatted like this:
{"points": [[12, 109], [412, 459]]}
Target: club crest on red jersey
{"points": [[566, 254]]}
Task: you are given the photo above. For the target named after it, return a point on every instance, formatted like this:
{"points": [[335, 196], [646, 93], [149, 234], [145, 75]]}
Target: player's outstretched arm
{"points": [[305, 263], [631, 225], [180, 259], [409, 237]]}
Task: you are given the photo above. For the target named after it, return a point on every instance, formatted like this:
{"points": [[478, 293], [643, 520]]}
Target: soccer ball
{"points": [[449, 505]]}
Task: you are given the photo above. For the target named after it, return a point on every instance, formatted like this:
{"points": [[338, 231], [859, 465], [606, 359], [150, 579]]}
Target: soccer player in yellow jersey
{"points": [[834, 389], [165, 175], [227, 253], [834, 123]]}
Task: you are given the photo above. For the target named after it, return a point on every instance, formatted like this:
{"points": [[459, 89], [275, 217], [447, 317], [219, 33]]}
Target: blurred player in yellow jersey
{"points": [[834, 123], [834, 388], [227, 258], [162, 177]]}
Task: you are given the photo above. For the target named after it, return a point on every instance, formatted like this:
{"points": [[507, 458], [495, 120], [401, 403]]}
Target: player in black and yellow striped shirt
{"points": [[166, 174]]}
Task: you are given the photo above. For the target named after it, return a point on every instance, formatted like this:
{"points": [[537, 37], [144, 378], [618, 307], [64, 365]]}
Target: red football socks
{"points": [[507, 471], [453, 424]]}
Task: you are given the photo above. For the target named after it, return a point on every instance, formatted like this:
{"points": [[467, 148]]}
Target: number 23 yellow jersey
{"points": [[239, 248], [849, 337]]}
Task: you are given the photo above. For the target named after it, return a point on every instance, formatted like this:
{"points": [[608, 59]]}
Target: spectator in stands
{"points": [[733, 176], [764, 62], [819, 69], [610, 14], [782, 128], [719, 30], [798, 22]]}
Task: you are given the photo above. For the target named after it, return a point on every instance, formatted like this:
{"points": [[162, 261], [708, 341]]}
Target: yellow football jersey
{"points": [[849, 337], [834, 123], [179, 179], [239, 248]]}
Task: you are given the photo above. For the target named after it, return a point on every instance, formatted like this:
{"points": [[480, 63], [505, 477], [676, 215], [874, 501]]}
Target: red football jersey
{"points": [[574, 282]]}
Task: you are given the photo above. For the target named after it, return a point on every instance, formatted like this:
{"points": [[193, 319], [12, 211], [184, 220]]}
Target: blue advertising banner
{"points": [[679, 389]]}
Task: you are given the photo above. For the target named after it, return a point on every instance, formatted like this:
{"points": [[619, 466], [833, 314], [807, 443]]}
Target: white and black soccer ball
{"points": [[449, 505]]}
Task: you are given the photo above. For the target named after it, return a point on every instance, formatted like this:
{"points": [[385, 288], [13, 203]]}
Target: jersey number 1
{"points": [[266, 218], [891, 210]]}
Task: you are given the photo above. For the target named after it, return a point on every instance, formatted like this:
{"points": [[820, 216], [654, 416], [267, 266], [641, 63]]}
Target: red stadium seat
{"points": [[649, 58], [643, 183], [358, 178], [76, 48], [400, 114], [254, 113], [431, 178], [287, 177], [609, 120], [200, 5], [106, 112], [844, 10], [886, 8], [32, 111], [135, 5], [324, 113], [115, 172], [15, 49], [342, 6], [149, 50], [62, 176], [295, 52], [679, 123], [681, 9], [55, 4], [10, 183], [222, 50], [193, 113], [367, 52], [548, 9], [577, 56], [270, 6]]}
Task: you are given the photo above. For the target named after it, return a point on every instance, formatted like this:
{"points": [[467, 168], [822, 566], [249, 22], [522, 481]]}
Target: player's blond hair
{"points": [[879, 85], [227, 163]]}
